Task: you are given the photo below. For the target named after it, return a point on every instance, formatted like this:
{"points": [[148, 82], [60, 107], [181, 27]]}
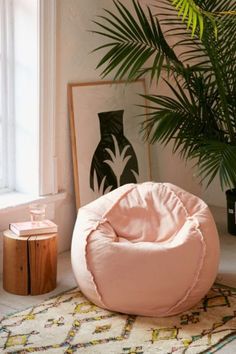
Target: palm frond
{"points": [[187, 119], [192, 14], [199, 116], [214, 158], [134, 40]]}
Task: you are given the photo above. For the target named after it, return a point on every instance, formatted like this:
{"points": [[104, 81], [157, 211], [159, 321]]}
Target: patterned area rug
{"points": [[69, 323]]}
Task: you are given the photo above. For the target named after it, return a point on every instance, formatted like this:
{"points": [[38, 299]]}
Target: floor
{"points": [[227, 275], [227, 267], [65, 280]]}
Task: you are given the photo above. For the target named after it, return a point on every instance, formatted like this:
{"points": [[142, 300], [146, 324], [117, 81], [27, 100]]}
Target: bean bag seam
{"points": [[152, 183], [117, 201], [190, 291], [98, 223], [180, 200], [197, 273], [204, 204]]}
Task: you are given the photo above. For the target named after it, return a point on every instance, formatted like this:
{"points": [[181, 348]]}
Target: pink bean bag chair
{"points": [[149, 249]]}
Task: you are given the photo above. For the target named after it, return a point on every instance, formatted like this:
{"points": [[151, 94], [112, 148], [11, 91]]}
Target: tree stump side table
{"points": [[29, 263]]}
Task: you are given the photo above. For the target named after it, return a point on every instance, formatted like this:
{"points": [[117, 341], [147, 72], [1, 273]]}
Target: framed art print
{"points": [[107, 147]]}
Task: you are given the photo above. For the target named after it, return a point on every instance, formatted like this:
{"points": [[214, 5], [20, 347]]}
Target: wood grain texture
{"points": [[29, 263], [43, 263], [15, 264], [73, 145]]}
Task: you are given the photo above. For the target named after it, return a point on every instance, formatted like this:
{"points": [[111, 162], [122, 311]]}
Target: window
{"points": [[6, 95], [27, 96]]}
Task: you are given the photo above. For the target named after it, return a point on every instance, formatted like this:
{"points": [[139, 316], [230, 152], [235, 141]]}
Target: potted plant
{"points": [[199, 116]]}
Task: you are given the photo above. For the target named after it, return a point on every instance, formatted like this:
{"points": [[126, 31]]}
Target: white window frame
{"points": [[47, 98], [47, 169], [7, 71]]}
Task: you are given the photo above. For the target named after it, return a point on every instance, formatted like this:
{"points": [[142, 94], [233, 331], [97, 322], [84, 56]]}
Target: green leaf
{"points": [[199, 112], [128, 33], [191, 11]]}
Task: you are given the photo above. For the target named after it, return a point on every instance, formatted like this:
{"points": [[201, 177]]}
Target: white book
{"points": [[33, 228]]}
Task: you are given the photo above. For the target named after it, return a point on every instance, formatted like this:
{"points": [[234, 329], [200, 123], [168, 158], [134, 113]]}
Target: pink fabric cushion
{"points": [[149, 249]]}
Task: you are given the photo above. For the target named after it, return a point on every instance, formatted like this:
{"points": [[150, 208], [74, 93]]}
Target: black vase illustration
{"points": [[114, 161]]}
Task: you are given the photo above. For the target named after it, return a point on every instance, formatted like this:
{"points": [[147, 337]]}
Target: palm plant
{"points": [[199, 116]]}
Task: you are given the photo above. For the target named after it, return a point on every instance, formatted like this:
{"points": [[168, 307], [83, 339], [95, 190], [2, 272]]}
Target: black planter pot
{"points": [[231, 210]]}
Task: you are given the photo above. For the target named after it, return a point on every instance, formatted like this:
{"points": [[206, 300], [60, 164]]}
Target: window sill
{"points": [[14, 200], [14, 207]]}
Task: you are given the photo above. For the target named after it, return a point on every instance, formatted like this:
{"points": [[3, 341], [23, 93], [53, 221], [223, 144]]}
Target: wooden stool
{"points": [[29, 263]]}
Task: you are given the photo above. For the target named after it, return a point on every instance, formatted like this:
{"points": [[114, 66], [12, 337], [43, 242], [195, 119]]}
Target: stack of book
{"points": [[35, 228]]}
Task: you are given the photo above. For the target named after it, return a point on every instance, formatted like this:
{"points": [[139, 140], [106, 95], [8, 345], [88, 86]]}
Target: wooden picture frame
{"points": [[107, 147]]}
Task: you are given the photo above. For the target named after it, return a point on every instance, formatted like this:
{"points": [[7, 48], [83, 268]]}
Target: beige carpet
{"points": [[71, 324]]}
